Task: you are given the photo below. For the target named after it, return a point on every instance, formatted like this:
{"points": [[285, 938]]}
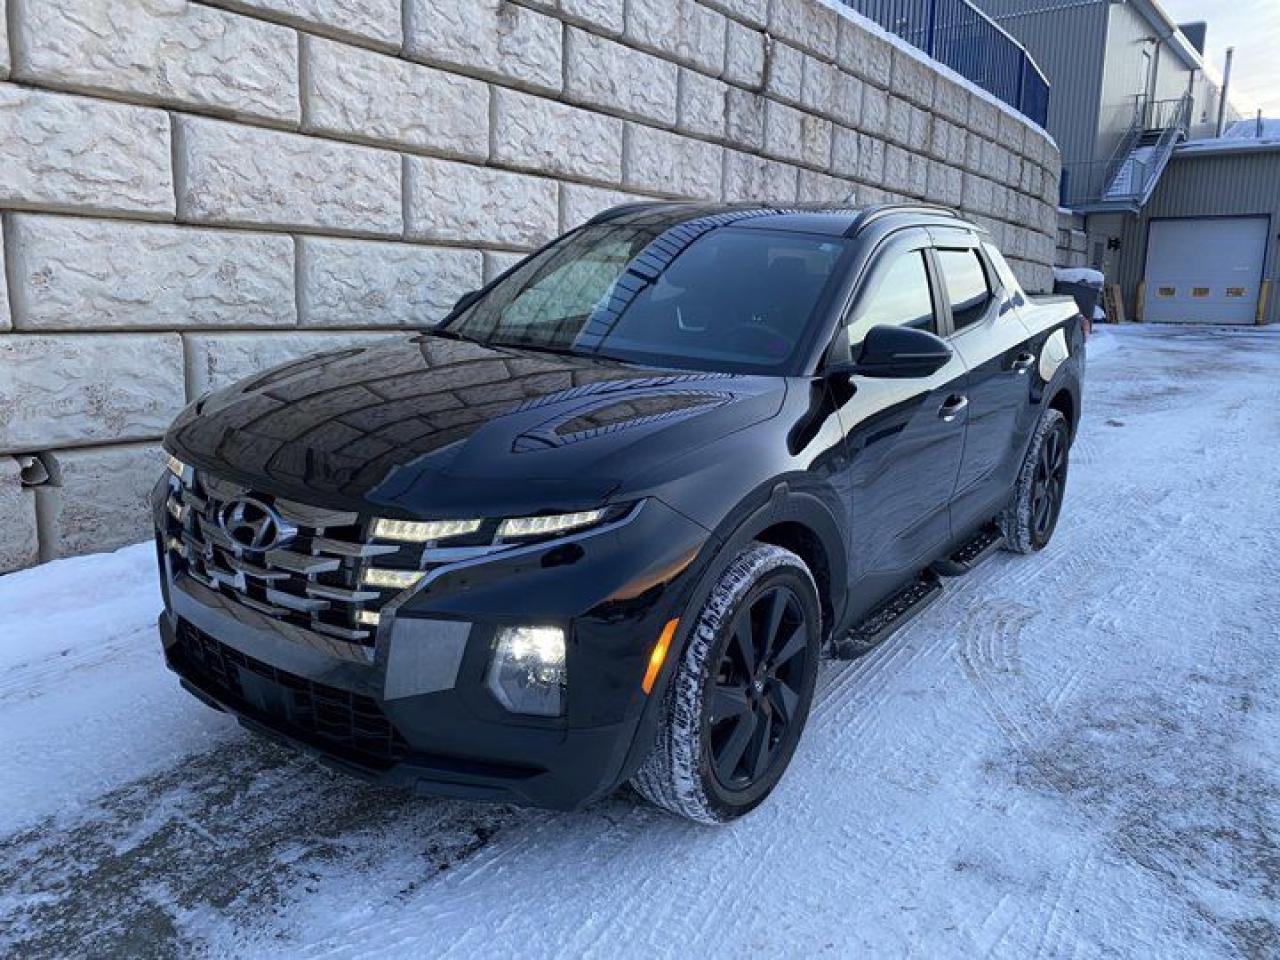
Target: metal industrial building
{"points": [[1182, 219], [1129, 84], [1208, 241]]}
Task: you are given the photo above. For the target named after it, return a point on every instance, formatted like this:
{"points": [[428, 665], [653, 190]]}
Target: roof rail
{"points": [[617, 211], [881, 210]]}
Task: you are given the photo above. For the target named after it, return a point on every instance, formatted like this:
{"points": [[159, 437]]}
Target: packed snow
{"points": [[1079, 275], [1075, 754], [1268, 128]]}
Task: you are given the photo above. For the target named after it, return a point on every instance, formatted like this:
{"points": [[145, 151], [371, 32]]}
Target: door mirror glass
{"points": [[901, 353]]}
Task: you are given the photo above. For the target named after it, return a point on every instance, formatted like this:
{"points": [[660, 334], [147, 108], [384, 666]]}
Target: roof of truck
{"points": [[828, 219]]}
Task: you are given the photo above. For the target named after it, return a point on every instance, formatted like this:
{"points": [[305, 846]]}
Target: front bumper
{"points": [[412, 710]]}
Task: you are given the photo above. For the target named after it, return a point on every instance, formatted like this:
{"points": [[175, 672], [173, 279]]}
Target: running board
{"points": [[971, 553], [889, 616]]}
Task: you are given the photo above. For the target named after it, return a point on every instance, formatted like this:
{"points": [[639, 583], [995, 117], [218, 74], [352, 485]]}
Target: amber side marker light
{"points": [[659, 655]]}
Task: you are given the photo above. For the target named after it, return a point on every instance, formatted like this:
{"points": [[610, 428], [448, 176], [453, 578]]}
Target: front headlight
{"points": [[527, 671], [549, 524], [412, 531]]}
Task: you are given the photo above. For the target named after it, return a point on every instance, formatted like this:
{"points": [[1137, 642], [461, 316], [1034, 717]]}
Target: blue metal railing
{"points": [[960, 35]]}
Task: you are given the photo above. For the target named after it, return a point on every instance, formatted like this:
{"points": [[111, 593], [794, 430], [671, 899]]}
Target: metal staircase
{"points": [[1142, 154]]}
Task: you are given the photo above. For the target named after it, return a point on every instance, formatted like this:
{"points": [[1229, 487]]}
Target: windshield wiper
{"points": [[447, 334], [541, 348]]}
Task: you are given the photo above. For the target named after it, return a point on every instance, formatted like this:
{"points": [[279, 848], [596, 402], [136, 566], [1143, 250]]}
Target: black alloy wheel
{"points": [[757, 688], [1049, 483], [739, 694]]}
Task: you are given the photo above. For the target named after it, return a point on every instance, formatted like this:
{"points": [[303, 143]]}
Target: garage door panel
{"points": [[1205, 270]]}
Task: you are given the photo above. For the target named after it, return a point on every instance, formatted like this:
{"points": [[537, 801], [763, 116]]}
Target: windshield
{"points": [[737, 300]]}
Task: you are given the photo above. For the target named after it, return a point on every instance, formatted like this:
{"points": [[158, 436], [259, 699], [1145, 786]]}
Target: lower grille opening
{"points": [[348, 725]]}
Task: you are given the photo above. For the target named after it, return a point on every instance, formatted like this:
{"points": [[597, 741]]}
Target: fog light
{"points": [[527, 672]]}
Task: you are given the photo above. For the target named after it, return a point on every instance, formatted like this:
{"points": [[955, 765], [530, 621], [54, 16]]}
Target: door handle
{"points": [[953, 407], [1024, 362]]}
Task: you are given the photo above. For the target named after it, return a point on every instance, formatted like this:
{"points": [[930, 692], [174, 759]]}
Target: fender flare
{"points": [[771, 504], [780, 501]]}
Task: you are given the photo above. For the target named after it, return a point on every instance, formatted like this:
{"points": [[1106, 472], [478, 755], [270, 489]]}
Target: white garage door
{"points": [[1205, 270]]}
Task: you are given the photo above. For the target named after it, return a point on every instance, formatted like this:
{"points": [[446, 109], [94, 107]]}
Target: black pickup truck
{"points": [[601, 523]]}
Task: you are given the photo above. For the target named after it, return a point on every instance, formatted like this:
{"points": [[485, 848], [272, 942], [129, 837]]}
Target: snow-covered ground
{"points": [[1075, 754]]}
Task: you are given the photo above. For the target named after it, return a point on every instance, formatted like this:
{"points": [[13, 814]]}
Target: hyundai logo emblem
{"points": [[252, 524]]}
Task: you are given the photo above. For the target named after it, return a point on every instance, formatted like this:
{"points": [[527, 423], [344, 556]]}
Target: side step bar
{"points": [[971, 553], [889, 616], [915, 596]]}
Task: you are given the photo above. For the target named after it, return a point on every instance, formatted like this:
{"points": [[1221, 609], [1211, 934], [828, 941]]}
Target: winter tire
{"points": [[740, 695], [1029, 521]]}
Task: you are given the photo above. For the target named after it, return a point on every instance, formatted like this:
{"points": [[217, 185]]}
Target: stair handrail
{"points": [[1125, 147], [1170, 136]]}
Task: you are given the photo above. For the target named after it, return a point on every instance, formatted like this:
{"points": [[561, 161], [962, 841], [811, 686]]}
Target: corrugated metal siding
{"points": [[1223, 185], [1067, 39], [1123, 79]]}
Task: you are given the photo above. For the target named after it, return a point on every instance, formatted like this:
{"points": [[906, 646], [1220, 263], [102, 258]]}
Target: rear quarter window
{"points": [[968, 289], [1012, 288]]}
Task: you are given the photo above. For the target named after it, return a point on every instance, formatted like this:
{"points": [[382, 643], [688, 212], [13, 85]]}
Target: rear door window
{"points": [[968, 289], [900, 298]]}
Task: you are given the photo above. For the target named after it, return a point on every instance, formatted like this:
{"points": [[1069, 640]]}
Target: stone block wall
{"points": [[191, 191], [1072, 249]]}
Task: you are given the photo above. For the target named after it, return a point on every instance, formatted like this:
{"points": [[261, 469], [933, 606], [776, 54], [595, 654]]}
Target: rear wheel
{"points": [[740, 695], [1029, 522]]}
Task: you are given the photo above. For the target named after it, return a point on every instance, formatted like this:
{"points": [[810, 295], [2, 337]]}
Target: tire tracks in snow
{"points": [[238, 832]]}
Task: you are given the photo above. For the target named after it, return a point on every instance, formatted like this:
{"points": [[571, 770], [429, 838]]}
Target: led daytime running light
{"points": [[390, 579], [552, 523], [413, 531]]}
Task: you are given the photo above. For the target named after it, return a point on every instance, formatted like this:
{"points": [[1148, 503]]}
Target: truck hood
{"points": [[443, 427]]}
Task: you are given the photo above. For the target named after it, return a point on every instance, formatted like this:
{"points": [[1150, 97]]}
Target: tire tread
{"points": [[1015, 521], [671, 776]]}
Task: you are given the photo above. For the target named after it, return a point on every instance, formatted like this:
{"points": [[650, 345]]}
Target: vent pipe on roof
{"points": [[1226, 86]]}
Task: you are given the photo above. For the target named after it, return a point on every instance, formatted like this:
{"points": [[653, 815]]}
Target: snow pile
{"points": [[1241, 137], [86, 703], [1248, 130], [1079, 275]]}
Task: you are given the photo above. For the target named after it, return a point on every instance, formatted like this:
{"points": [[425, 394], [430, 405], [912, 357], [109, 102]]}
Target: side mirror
{"points": [[899, 353]]}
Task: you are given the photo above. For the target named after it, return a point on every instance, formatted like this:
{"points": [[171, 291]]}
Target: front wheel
{"points": [[740, 695], [1031, 518]]}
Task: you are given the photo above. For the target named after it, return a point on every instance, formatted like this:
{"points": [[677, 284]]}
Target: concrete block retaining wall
{"points": [[191, 191]]}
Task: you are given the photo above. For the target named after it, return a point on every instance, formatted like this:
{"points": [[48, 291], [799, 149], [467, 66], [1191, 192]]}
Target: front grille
{"points": [[311, 581], [346, 724], [314, 578]]}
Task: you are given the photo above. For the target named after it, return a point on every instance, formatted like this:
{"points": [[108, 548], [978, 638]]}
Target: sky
{"points": [[1253, 28]]}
